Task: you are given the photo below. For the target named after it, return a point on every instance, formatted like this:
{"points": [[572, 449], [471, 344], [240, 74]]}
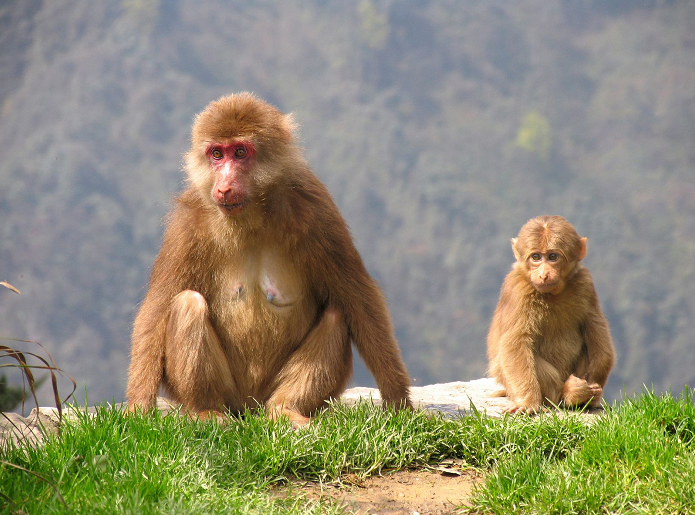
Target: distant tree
{"points": [[10, 396], [374, 24], [534, 135], [143, 13]]}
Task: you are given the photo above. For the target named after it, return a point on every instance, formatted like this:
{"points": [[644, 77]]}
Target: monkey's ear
{"points": [[582, 249], [290, 128], [516, 252]]}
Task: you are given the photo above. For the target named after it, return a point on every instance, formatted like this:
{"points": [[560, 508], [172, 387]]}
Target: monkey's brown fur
{"points": [[258, 307], [549, 340]]}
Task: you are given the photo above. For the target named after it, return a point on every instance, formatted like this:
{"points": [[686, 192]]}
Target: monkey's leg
{"points": [[572, 392], [319, 369], [197, 372]]}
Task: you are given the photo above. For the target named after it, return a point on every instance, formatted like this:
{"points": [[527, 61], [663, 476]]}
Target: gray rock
{"points": [[458, 399], [451, 399], [31, 430]]}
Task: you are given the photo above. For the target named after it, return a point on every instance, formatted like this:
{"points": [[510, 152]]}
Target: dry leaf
{"points": [[447, 471], [9, 286], [449, 467]]}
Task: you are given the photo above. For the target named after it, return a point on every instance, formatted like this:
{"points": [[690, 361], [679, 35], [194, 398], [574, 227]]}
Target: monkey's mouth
{"points": [[235, 208], [546, 287]]}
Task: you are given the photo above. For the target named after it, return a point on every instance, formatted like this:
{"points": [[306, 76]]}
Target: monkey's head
{"points": [[238, 147], [548, 248]]}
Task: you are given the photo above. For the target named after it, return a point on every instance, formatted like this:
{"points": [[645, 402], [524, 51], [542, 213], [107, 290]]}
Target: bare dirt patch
{"points": [[406, 492]]}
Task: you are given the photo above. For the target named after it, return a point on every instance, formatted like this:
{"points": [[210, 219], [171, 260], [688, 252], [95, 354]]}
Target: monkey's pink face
{"points": [[232, 164], [545, 271]]}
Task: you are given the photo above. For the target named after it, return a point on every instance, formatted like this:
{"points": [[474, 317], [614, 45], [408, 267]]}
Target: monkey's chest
{"points": [[262, 303], [261, 312], [266, 290], [262, 280], [560, 339], [563, 341]]}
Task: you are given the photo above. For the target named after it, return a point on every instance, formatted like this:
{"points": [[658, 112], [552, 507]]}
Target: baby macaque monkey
{"points": [[549, 341]]}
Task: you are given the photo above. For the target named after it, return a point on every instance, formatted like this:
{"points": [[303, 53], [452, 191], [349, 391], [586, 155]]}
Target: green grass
{"points": [[639, 457]]}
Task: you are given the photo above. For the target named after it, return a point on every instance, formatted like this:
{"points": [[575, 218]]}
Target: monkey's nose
{"points": [[223, 193]]}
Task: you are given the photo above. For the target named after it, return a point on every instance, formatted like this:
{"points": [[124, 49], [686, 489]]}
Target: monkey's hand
{"points": [[399, 404], [138, 407], [528, 402]]}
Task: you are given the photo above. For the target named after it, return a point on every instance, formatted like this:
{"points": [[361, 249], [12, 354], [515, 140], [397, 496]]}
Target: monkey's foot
{"points": [[577, 392], [221, 418], [597, 397], [297, 419], [524, 409]]}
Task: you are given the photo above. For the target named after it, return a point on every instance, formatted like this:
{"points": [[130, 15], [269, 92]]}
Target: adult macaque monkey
{"points": [[258, 289], [549, 340]]}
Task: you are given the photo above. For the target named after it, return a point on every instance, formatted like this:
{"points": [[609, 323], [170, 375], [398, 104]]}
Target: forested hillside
{"points": [[439, 128]]}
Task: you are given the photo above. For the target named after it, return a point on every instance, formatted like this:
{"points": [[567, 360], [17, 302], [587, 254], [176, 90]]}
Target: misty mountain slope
{"points": [[439, 128]]}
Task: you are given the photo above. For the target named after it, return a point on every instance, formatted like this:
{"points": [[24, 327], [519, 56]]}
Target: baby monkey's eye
{"points": [[536, 256], [553, 256]]}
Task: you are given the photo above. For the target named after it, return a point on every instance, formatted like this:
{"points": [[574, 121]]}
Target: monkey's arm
{"points": [[371, 330], [341, 280], [147, 353], [510, 344], [345, 284], [359, 297], [517, 362], [597, 338]]}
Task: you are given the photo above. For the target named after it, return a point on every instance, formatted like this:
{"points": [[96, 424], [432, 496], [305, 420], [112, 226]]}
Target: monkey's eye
{"points": [[240, 152], [217, 154], [553, 257], [536, 256]]}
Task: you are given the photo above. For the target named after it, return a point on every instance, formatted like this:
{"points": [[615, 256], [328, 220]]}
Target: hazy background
{"points": [[440, 127]]}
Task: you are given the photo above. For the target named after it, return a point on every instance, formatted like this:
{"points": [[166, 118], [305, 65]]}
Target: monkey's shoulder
{"points": [[516, 284], [581, 284], [189, 218], [303, 207], [188, 201]]}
